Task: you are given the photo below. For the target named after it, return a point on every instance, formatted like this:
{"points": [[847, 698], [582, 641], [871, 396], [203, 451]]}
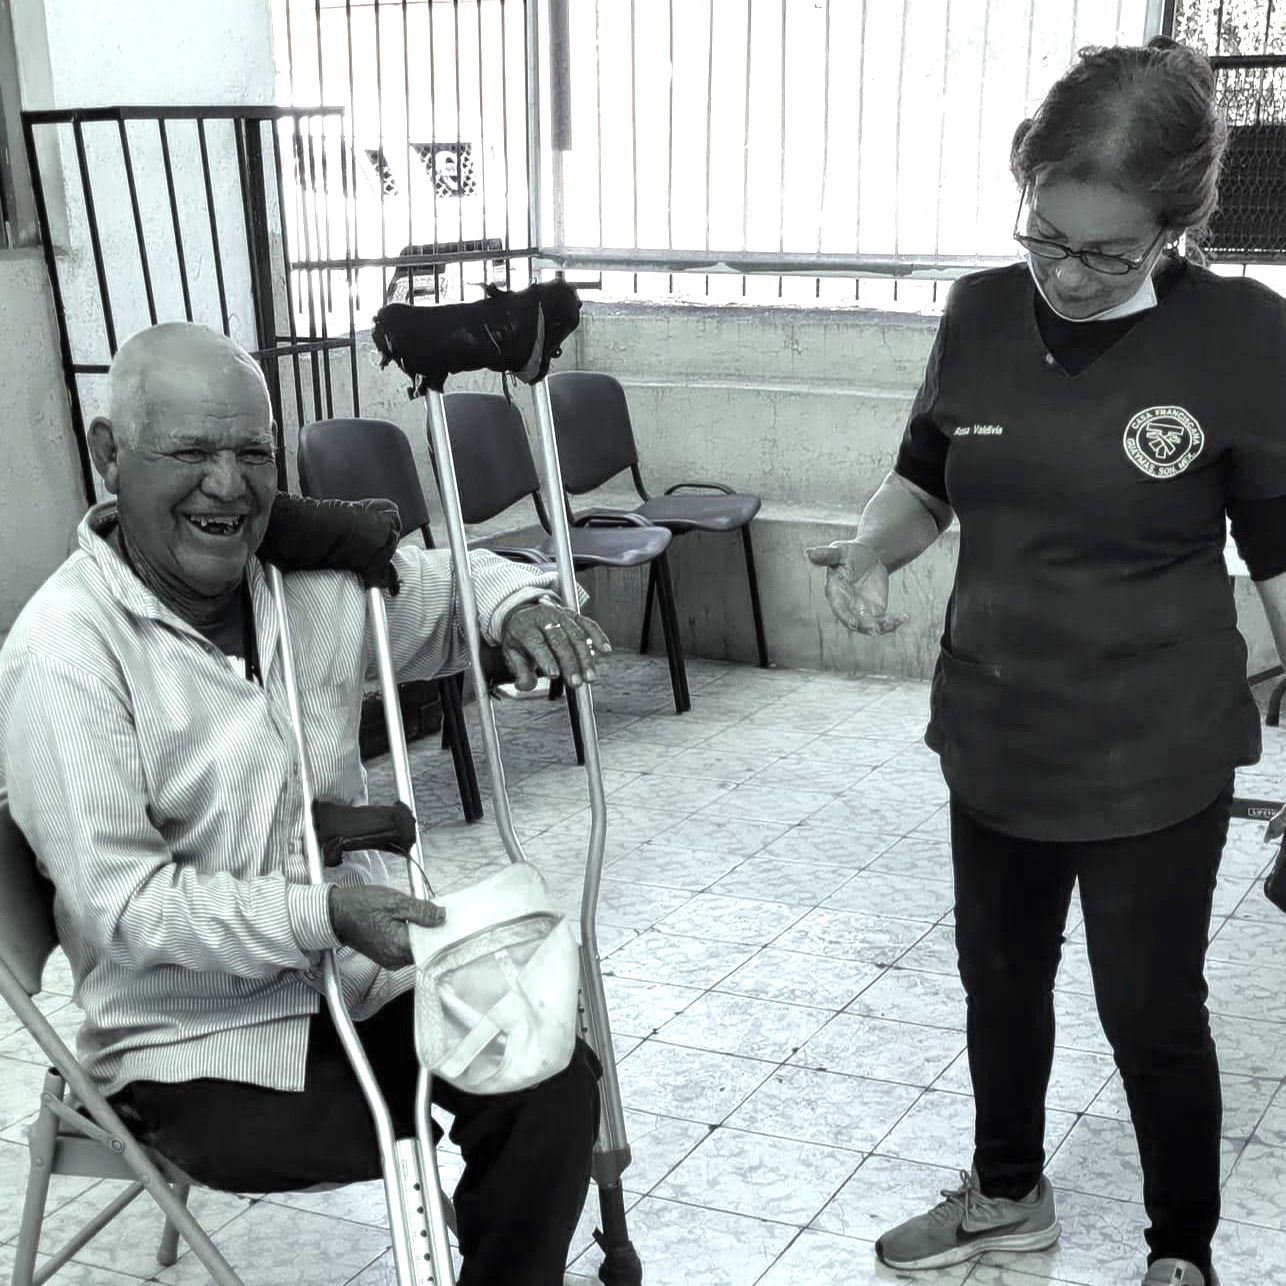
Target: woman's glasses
{"points": [[1095, 260]]}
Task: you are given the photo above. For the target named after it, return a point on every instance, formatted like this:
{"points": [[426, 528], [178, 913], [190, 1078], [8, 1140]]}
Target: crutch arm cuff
{"points": [[308, 908]]}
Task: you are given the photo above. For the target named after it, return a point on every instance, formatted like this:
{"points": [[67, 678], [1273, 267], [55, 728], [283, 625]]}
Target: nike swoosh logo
{"points": [[964, 1237]]}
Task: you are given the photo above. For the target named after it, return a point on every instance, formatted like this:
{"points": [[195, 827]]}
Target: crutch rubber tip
{"points": [[621, 1265]]}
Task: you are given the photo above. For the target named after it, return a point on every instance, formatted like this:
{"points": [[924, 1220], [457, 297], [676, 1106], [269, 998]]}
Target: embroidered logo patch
{"points": [[1163, 440]]}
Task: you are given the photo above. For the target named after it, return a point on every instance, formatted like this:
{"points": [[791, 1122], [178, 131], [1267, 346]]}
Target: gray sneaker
{"points": [[1178, 1272], [967, 1224]]}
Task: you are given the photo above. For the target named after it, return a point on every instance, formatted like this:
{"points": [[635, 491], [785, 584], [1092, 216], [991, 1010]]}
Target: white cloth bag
{"points": [[497, 985]]}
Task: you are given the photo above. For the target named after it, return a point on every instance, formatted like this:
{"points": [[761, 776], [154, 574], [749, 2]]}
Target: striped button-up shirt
{"points": [[160, 791]]}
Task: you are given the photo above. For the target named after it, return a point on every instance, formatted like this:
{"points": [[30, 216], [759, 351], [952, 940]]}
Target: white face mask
{"points": [[1140, 301]]}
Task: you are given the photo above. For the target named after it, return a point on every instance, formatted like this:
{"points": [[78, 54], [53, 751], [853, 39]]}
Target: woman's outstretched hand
{"points": [[857, 586]]}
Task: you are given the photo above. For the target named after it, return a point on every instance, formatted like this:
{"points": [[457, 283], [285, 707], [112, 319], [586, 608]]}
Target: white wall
{"points": [[40, 500], [81, 53]]}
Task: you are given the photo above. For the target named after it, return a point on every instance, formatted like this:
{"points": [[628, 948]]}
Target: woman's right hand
{"points": [[857, 586]]}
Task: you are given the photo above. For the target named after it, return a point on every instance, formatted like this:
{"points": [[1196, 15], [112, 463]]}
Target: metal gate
{"points": [[200, 214]]}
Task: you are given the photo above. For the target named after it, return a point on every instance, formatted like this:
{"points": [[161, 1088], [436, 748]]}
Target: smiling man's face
{"points": [[195, 474]]}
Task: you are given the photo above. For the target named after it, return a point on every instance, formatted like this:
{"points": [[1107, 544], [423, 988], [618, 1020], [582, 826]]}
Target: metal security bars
{"points": [[798, 151], [437, 94], [197, 214], [769, 150]]}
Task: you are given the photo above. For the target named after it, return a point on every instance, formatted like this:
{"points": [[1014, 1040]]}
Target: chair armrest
{"points": [[536, 557], [610, 518], [700, 486]]}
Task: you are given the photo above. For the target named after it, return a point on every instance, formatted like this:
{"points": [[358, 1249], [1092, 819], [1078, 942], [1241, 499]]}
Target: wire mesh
{"points": [[1250, 223]]}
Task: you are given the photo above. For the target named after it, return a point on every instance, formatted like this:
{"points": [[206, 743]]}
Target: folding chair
{"points": [[596, 442], [78, 1134], [495, 469], [364, 459]]}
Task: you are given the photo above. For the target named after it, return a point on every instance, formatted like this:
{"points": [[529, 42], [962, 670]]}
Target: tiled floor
{"points": [[775, 927]]}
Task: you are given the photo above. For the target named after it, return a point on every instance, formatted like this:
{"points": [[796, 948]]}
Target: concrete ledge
{"points": [[714, 606], [687, 342]]}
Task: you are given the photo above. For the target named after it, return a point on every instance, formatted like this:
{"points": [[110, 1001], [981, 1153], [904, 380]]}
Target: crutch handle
{"points": [[350, 828]]}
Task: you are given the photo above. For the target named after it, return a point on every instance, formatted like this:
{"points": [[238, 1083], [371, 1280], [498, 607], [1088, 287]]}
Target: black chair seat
{"points": [[495, 469], [613, 546], [700, 512]]}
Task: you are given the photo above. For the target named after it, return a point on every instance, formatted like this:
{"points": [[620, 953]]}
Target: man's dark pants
{"points": [[1147, 903], [526, 1155]]}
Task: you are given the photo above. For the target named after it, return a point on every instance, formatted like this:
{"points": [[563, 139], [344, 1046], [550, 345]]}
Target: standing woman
{"points": [[1091, 416]]}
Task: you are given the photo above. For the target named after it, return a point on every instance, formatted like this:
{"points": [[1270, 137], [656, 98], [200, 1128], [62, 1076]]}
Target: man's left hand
{"points": [[549, 639]]}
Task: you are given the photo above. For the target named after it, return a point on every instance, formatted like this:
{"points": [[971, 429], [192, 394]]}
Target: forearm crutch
{"points": [[416, 1210], [519, 333]]}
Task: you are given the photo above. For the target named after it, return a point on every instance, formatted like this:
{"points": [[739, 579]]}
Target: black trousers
{"points": [[1147, 903], [526, 1155]]}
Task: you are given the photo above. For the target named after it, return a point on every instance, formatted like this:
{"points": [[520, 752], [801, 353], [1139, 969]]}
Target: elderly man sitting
{"points": [[147, 754]]}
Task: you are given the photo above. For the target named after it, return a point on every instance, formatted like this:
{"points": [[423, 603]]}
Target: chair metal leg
{"points": [[648, 600], [456, 683], [456, 735], [1275, 705], [168, 1251], [673, 642], [41, 1145], [558, 690], [755, 610], [573, 717]]}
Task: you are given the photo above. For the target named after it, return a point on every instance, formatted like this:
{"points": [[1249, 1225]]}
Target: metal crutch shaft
{"points": [[430, 1182], [406, 1210], [457, 542], [613, 1140], [621, 1265]]}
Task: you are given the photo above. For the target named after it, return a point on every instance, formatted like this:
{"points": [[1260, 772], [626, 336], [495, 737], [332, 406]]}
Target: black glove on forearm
{"points": [[334, 535], [518, 331]]}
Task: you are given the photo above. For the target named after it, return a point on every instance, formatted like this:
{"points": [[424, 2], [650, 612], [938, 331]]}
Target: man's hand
{"points": [[857, 586], [549, 639], [372, 920], [334, 535]]}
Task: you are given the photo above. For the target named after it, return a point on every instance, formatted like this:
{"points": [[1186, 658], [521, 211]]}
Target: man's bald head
{"points": [[179, 366], [188, 452]]}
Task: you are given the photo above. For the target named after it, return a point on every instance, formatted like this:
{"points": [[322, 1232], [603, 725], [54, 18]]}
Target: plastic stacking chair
{"points": [[495, 470], [596, 442], [365, 459], [76, 1131]]}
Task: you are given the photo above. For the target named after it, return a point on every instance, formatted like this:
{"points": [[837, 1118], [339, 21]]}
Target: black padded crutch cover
{"points": [[516, 331], [336, 535]]}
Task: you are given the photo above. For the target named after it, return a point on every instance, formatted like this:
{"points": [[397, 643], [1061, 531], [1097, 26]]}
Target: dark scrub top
{"points": [[1092, 680]]}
